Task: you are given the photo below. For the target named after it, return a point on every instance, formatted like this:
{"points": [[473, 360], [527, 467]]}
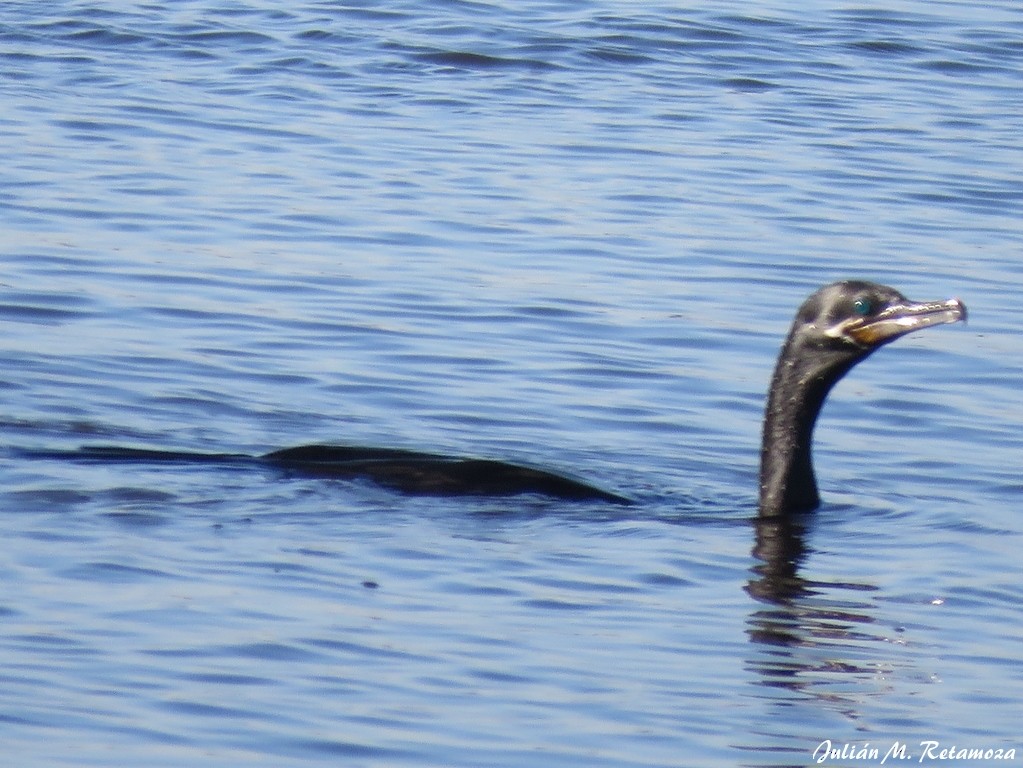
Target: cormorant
{"points": [[835, 328]]}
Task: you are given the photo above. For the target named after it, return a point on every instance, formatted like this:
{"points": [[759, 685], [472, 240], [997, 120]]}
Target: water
{"points": [[567, 234]]}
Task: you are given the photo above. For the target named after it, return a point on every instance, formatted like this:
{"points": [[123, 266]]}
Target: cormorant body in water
{"points": [[413, 472], [835, 328]]}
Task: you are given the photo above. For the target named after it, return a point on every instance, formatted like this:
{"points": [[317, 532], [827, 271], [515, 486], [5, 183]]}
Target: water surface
{"points": [[566, 234]]}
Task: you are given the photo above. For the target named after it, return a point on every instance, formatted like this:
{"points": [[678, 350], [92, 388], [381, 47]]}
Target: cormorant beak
{"points": [[898, 320]]}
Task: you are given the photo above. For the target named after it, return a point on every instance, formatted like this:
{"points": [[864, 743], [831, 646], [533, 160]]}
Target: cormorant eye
{"points": [[862, 307]]}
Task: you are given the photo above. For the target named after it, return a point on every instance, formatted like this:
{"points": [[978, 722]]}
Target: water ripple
{"points": [[571, 235]]}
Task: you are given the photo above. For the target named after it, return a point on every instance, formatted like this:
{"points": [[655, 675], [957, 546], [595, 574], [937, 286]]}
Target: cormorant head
{"points": [[852, 318]]}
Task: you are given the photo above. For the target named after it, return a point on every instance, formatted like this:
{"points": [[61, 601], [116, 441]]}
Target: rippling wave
{"points": [[568, 235]]}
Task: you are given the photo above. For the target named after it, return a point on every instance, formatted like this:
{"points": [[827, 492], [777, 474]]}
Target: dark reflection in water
{"points": [[807, 638], [780, 546]]}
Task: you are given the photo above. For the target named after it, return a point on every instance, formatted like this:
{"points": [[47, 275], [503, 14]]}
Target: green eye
{"points": [[862, 307]]}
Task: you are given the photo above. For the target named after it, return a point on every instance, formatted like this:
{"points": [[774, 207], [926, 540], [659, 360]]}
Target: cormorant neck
{"points": [[802, 379]]}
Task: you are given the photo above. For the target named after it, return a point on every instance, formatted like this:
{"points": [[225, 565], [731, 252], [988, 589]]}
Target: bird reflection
{"points": [[780, 547], [806, 632]]}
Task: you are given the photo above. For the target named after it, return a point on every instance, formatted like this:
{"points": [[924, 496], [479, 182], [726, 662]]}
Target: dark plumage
{"points": [[834, 329]]}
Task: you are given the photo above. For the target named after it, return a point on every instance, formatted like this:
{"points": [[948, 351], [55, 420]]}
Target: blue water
{"points": [[571, 234]]}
